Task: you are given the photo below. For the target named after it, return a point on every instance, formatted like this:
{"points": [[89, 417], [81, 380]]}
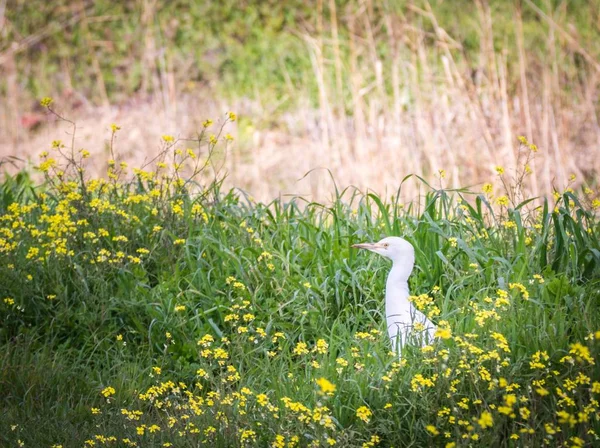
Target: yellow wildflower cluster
{"points": [[425, 304], [108, 391], [364, 413], [467, 382], [326, 386]]}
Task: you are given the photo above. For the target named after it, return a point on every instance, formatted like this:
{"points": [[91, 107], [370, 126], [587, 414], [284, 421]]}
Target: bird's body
{"points": [[405, 323]]}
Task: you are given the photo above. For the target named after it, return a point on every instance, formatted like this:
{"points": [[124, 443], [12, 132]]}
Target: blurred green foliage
{"points": [[254, 47]]}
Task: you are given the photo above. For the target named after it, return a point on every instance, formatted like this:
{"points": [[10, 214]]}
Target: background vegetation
{"points": [[159, 306], [370, 90], [256, 47], [155, 309]]}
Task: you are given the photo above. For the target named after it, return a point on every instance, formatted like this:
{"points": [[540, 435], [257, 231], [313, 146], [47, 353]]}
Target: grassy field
{"points": [[152, 308]]}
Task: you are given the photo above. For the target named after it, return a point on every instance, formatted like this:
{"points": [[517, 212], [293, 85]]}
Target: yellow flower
{"points": [[565, 417], [443, 333], [521, 288], [168, 138], [326, 386], [232, 116], [341, 362], [541, 391], [239, 285], [432, 429], [487, 188], [581, 352], [537, 360], [108, 391], [577, 442], [301, 349], [45, 166], [247, 435], [321, 347], [510, 399], [364, 413], [499, 170], [46, 101], [115, 128], [502, 201], [486, 420], [279, 442]]}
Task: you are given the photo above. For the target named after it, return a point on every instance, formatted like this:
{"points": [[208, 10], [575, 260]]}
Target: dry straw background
{"points": [[419, 109]]}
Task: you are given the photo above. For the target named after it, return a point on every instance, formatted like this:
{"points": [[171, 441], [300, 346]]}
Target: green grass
{"points": [[290, 265], [255, 49]]}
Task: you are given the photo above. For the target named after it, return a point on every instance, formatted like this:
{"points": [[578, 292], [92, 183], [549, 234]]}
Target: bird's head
{"points": [[395, 248]]}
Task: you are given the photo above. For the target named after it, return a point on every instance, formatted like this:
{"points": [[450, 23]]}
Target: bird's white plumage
{"points": [[401, 315]]}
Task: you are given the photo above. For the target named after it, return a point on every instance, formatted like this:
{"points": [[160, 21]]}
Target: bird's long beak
{"points": [[368, 246]]}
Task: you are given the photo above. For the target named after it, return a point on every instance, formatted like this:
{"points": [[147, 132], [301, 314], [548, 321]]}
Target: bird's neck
{"points": [[397, 281]]}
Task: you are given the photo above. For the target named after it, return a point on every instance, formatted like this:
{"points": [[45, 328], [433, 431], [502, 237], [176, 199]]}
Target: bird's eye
{"points": [[385, 245]]}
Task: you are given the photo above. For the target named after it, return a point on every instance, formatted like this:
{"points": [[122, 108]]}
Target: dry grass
{"points": [[420, 108]]}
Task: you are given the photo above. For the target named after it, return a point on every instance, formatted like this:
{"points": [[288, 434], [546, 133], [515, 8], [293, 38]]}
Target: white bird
{"points": [[405, 323]]}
